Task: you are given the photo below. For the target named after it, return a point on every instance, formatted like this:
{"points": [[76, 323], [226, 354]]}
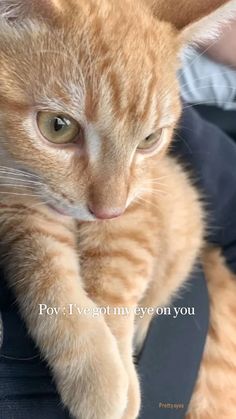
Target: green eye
{"points": [[58, 128], [150, 141]]}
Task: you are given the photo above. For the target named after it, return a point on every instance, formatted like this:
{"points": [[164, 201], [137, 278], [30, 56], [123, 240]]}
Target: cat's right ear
{"points": [[19, 10]]}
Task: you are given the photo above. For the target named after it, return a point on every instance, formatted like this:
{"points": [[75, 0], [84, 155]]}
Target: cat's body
{"points": [[96, 72], [120, 261]]}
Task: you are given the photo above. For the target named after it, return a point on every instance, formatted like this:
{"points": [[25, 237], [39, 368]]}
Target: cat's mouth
{"points": [[81, 211], [78, 212]]}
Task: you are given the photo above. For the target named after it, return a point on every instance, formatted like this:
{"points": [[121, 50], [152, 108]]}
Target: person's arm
{"points": [[224, 50]]}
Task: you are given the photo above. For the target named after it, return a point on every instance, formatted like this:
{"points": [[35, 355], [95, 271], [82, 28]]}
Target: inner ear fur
{"points": [[197, 20], [18, 10], [182, 13]]}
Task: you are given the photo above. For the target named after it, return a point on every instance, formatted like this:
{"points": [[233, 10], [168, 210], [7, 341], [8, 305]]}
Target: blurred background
{"points": [[208, 80]]}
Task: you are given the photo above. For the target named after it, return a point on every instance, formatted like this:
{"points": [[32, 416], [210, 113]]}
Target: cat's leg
{"points": [[120, 320], [41, 266], [214, 394], [119, 317], [122, 328], [116, 263]]}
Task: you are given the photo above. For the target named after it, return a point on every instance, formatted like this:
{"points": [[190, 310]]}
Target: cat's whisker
{"points": [[220, 73], [152, 191], [10, 171], [39, 204], [17, 171], [203, 52], [206, 102], [184, 141], [161, 177], [145, 201], [19, 194], [206, 86], [176, 130], [24, 181], [154, 182], [23, 171], [35, 205], [196, 57], [12, 185], [158, 193], [229, 87]]}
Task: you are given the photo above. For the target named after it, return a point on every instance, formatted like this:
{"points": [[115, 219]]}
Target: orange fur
{"points": [[112, 67], [215, 390]]}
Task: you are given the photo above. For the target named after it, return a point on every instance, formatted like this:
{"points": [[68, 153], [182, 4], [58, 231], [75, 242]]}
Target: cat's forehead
{"points": [[120, 65], [96, 68]]}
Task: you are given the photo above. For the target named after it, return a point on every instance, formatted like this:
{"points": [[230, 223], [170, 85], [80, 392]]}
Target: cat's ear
{"points": [[197, 20], [208, 25], [18, 10]]}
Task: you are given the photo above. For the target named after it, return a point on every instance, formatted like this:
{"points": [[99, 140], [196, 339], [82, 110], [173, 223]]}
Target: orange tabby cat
{"points": [[93, 210]]}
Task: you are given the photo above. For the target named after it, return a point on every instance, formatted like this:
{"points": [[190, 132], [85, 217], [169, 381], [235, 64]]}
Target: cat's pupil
{"points": [[59, 124]]}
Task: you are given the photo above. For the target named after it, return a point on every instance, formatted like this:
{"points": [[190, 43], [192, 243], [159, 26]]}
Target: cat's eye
{"points": [[151, 141], [58, 128]]}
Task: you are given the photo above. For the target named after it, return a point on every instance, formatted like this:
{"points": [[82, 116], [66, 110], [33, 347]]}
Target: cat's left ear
{"points": [[18, 10], [208, 27], [195, 20]]}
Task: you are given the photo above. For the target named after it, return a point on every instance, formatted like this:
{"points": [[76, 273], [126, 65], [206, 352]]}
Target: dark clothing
{"points": [[211, 157], [170, 360]]}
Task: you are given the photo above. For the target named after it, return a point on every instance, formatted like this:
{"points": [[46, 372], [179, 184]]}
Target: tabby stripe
{"points": [[123, 254], [25, 209], [26, 233]]}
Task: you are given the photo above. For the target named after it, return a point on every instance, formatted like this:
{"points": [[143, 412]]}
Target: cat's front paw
{"points": [[93, 382]]}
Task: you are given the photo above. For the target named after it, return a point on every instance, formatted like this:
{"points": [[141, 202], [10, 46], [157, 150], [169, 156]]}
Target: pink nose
{"points": [[105, 213]]}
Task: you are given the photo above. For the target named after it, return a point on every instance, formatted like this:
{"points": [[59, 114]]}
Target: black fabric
{"points": [[168, 365], [225, 120], [210, 155], [26, 388], [170, 359]]}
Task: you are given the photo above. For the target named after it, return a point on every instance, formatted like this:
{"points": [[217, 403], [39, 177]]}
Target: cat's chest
{"points": [[116, 260]]}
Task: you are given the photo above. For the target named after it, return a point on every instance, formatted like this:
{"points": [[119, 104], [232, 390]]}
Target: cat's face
{"points": [[86, 103]]}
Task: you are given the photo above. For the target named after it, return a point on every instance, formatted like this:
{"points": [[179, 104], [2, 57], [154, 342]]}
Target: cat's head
{"points": [[89, 96]]}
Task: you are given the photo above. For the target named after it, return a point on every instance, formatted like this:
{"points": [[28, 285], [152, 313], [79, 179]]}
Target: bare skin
{"points": [[224, 49]]}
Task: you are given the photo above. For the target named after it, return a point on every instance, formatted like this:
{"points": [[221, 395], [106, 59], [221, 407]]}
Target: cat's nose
{"points": [[105, 213]]}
